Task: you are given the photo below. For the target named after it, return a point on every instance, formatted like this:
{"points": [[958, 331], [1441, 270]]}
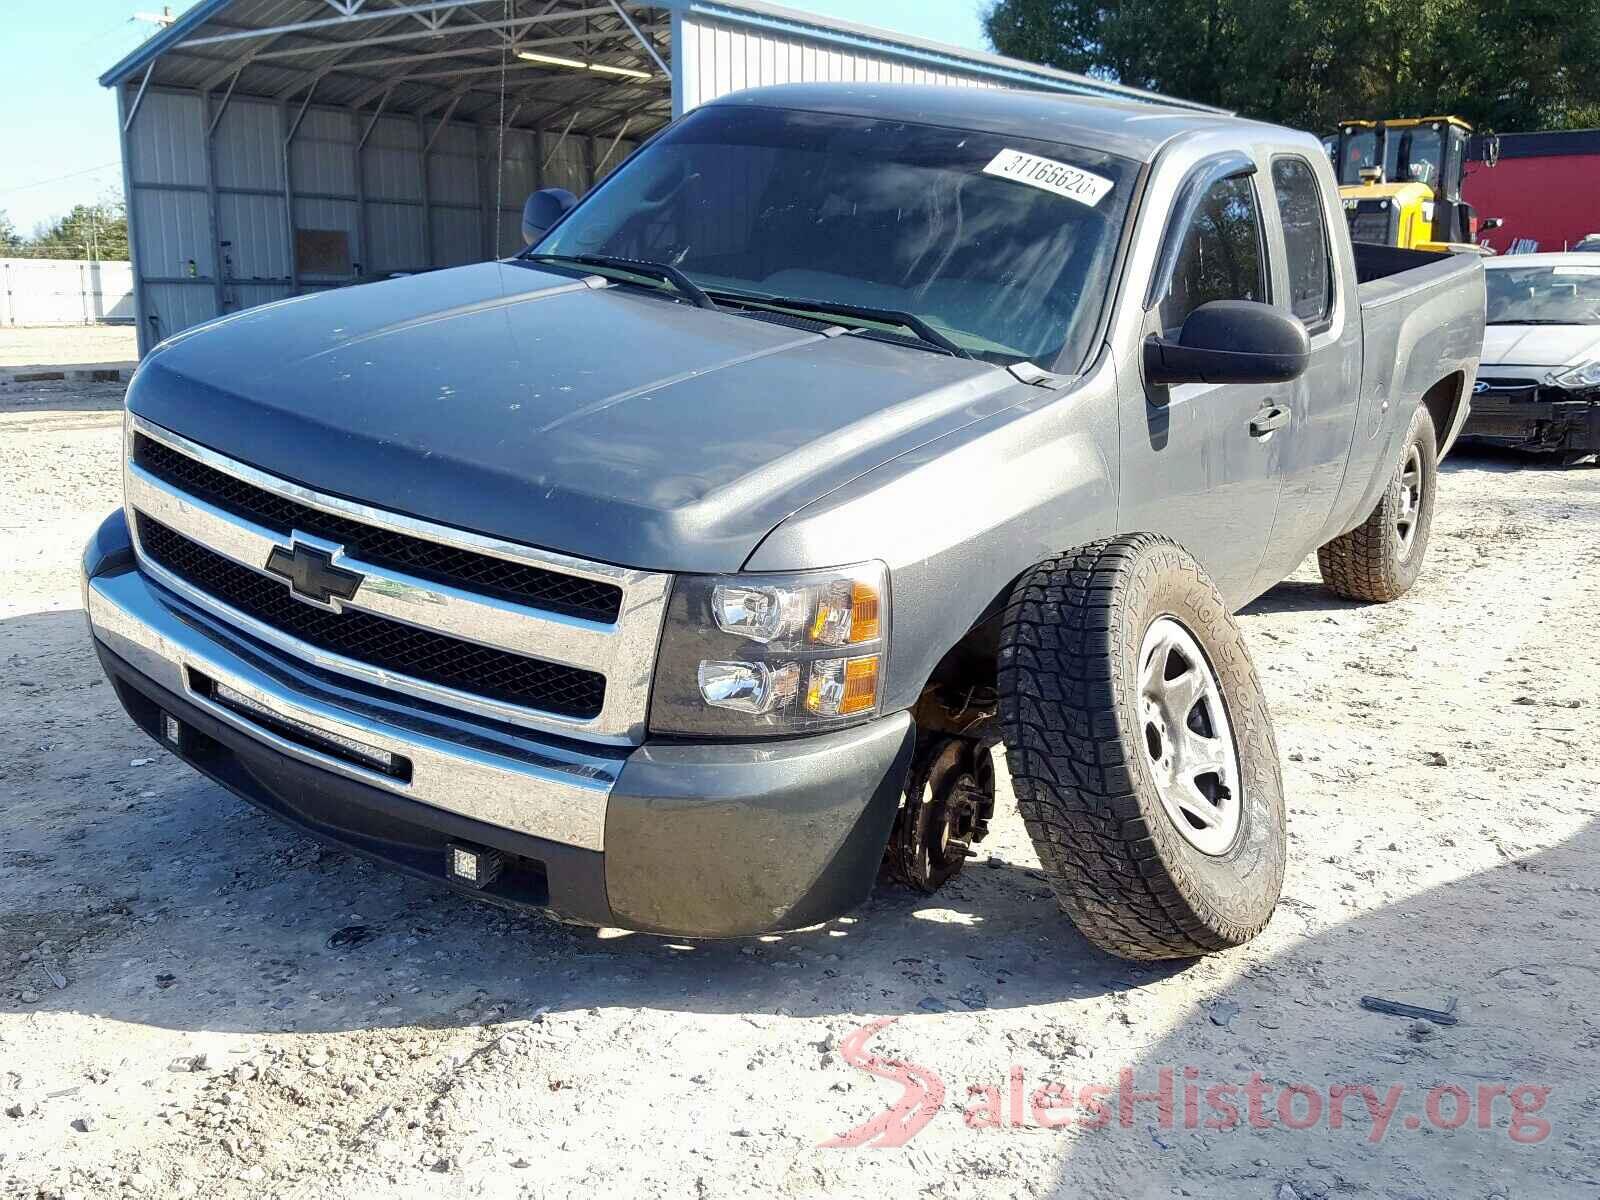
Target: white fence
{"points": [[64, 291]]}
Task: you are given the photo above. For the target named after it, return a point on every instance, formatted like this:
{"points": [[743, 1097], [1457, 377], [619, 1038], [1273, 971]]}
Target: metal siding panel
{"points": [[255, 226], [455, 238], [393, 173], [397, 241], [324, 155], [167, 142], [171, 230], [452, 177], [247, 147], [177, 306]]}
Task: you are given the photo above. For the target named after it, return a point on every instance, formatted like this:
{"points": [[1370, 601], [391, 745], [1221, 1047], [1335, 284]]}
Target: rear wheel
{"points": [[1381, 558], [1141, 751]]}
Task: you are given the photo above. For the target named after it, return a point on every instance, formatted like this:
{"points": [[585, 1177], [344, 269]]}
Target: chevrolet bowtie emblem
{"points": [[312, 576]]}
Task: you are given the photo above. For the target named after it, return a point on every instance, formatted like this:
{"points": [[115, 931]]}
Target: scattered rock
{"points": [[932, 1004], [1223, 1012], [974, 997], [1434, 759], [29, 997], [85, 1124], [141, 762], [166, 981], [189, 1062], [351, 936], [22, 1108]]}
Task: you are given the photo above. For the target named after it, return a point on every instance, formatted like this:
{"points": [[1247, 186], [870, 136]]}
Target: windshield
{"points": [[1414, 155], [1544, 295], [1003, 245]]}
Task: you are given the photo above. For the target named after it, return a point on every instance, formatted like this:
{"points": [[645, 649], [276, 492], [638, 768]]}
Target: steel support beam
{"points": [[141, 304], [139, 98], [213, 213], [409, 35], [643, 41], [427, 198]]}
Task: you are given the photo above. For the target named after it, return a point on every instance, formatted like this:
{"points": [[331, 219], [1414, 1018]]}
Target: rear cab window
{"points": [[1305, 237]]}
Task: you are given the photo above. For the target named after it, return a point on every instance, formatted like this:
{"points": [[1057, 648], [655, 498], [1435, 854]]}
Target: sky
{"points": [[58, 133]]}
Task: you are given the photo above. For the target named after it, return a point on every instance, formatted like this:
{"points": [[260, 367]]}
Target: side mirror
{"points": [[543, 209], [1230, 341]]}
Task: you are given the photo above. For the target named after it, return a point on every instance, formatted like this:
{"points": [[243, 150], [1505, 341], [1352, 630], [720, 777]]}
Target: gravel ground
{"points": [[196, 1001], [67, 345]]}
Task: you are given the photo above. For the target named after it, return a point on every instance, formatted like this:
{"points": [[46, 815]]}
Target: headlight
{"points": [[768, 655], [1584, 375]]}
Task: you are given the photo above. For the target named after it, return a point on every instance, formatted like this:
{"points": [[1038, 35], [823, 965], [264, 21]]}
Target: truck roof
{"points": [[1131, 128]]}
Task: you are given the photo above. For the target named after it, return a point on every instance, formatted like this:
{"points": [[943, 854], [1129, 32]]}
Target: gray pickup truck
{"points": [[682, 573]]}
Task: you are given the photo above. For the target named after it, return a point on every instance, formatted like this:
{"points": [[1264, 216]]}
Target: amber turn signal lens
{"points": [[864, 614], [860, 682]]}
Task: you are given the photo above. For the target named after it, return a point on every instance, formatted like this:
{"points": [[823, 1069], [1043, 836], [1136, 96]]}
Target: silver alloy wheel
{"points": [[1188, 743], [1405, 519]]}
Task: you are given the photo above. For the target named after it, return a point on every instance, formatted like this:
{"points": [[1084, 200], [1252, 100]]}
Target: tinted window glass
{"points": [[891, 215], [1221, 257], [1305, 239]]}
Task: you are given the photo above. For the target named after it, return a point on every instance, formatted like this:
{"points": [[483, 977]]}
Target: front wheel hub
{"points": [[948, 805]]}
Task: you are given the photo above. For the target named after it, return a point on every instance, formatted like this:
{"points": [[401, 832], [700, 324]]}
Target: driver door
{"points": [[1201, 462]]}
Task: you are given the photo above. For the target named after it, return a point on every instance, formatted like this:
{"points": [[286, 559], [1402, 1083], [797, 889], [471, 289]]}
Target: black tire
{"points": [[1374, 561], [1070, 695]]}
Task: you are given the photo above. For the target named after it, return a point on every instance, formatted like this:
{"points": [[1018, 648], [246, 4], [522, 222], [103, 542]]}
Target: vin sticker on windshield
{"points": [[1048, 175]]}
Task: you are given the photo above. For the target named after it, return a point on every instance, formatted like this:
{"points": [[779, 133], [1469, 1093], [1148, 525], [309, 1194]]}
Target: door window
{"points": [[1222, 256], [1305, 239]]}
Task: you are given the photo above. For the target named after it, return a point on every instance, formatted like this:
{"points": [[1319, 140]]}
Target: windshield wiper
{"points": [[882, 316], [665, 272]]}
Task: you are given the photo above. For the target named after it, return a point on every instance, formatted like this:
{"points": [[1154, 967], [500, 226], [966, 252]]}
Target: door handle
{"points": [[1273, 416]]}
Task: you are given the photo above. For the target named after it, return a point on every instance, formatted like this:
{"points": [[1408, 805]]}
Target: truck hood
{"points": [[1539, 345], [601, 421]]}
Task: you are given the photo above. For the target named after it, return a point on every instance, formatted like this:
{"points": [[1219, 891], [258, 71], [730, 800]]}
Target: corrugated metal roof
{"points": [[420, 56], [429, 54]]}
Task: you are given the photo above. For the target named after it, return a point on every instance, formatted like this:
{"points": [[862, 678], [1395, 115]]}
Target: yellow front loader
{"points": [[1401, 183]]}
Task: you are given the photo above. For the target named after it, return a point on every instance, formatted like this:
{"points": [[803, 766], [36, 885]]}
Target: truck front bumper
{"points": [[691, 839]]}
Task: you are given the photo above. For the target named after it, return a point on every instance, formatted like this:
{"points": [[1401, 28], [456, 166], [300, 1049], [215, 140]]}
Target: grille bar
{"points": [[390, 645], [469, 570]]}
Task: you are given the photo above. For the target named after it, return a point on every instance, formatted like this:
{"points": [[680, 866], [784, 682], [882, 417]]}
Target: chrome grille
{"points": [[388, 644], [493, 628], [590, 599]]}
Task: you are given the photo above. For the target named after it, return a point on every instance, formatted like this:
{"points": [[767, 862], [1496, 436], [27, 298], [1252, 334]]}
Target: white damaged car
{"points": [[1539, 381]]}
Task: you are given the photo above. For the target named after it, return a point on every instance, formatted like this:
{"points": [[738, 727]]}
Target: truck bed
{"points": [[1422, 317]]}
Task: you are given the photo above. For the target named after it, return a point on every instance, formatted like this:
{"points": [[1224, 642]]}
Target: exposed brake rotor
{"points": [[948, 804]]}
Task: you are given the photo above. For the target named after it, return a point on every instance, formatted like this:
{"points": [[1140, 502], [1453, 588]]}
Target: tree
{"points": [[1502, 64], [9, 241], [97, 231]]}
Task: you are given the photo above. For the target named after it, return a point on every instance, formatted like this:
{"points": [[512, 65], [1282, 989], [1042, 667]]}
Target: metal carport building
{"points": [[274, 147]]}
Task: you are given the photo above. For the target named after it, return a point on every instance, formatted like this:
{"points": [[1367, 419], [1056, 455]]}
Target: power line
{"points": [[22, 187]]}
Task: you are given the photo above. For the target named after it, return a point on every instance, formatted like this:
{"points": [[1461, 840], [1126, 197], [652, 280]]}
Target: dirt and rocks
{"points": [[196, 1001]]}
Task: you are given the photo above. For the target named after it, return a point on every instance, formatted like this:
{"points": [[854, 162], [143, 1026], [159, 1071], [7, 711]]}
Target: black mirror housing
{"points": [[543, 209], [1230, 341]]}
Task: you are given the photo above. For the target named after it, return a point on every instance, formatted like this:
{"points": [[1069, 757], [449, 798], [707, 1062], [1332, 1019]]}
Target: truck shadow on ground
{"points": [[1523, 996], [167, 901]]}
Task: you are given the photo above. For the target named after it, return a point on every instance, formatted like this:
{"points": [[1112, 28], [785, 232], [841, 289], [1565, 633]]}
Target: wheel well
{"points": [[962, 694], [1442, 401]]}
